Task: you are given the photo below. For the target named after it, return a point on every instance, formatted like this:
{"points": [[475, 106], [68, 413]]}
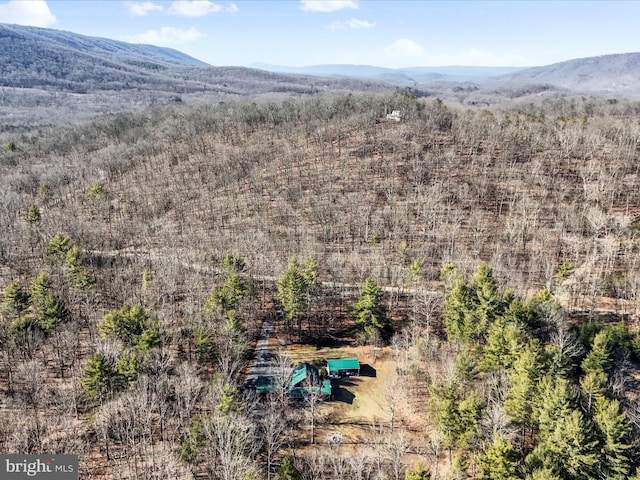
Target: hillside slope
{"points": [[154, 200], [610, 74], [330, 178], [39, 58]]}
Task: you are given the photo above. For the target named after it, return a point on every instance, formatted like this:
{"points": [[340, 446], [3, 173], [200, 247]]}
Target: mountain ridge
{"points": [[100, 45], [51, 60], [47, 68], [416, 74], [613, 73]]}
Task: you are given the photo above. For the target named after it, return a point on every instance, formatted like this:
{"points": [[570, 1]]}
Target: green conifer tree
{"points": [[418, 472], [488, 304], [594, 387], [288, 470], [499, 461], [33, 216], [573, 448], [614, 431], [369, 312], [554, 400], [229, 296], [100, 378], [542, 474], [133, 325], [505, 342], [81, 277], [16, 299], [292, 290], [51, 313], [58, 247], [527, 368], [457, 310]]}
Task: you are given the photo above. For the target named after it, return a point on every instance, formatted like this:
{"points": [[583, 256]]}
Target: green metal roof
{"points": [[265, 388], [299, 374], [326, 387], [336, 364]]}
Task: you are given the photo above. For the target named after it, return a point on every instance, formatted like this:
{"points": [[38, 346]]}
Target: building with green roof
{"points": [[305, 380], [343, 367]]}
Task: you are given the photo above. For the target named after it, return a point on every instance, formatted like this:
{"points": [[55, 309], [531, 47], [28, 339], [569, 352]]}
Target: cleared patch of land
{"points": [[361, 403]]}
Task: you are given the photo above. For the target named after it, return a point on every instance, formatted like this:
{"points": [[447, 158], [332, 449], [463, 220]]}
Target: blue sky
{"points": [[367, 32]]}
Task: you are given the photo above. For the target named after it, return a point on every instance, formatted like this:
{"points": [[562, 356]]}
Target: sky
{"points": [[382, 33]]}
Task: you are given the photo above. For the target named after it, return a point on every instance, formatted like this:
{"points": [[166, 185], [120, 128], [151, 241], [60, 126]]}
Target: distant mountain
{"points": [[52, 76], [54, 60], [33, 39], [38, 57], [399, 75], [607, 74]]}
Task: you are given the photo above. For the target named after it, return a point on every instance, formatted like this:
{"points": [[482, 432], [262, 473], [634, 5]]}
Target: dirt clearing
{"points": [[361, 403]]}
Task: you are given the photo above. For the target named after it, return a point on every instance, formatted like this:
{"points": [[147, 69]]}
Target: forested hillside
{"points": [[605, 74], [142, 251], [43, 58], [55, 77]]}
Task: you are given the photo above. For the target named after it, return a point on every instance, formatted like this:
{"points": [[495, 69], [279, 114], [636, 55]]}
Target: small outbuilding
{"points": [[343, 367], [395, 115]]}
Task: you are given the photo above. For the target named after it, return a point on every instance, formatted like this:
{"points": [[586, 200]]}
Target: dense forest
{"points": [[489, 256]]}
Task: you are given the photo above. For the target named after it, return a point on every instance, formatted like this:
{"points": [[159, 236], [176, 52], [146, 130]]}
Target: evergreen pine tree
{"points": [[80, 275], [291, 292], [573, 448], [614, 431], [599, 358], [229, 296], [505, 342], [499, 461], [288, 470], [58, 247], [457, 310], [133, 325], [33, 216], [488, 304], [524, 375], [542, 474], [594, 387], [51, 314], [554, 401], [418, 472], [16, 299], [100, 378], [40, 288], [369, 312]]}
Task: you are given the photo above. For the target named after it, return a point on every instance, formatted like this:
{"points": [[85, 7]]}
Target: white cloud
{"points": [[140, 9], [404, 48], [195, 8], [326, 6], [233, 8], [169, 36], [35, 13], [353, 23]]}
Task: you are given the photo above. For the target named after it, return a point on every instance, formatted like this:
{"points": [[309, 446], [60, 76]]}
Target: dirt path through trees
{"points": [[262, 368]]}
